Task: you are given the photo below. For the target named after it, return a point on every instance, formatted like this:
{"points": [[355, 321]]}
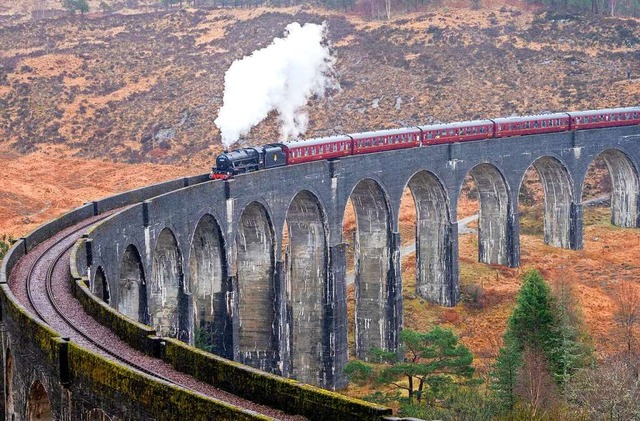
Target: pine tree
{"points": [[429, 363], [574, 348], [548, 328], [504, 375], [533, 321]]}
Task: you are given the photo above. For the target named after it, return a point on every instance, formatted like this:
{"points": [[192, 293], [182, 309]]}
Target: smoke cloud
{"points": [[280, 77]]}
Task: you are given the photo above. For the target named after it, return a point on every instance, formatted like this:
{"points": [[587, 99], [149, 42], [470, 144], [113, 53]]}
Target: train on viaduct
{"points": [[200, 261]]}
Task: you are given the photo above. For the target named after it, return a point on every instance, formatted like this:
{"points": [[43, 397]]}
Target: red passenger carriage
{"points": [[316, 149], [457, 132], [385, 140], [533, 124], [595, 119]]}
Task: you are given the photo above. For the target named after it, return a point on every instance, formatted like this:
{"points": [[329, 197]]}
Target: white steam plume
{"points": [[280, 77]]}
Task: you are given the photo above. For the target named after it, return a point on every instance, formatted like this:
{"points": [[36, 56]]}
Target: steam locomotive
{"points": [[274, 155]]}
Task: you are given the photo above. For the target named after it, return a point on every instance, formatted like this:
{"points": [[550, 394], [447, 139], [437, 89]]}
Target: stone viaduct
{"points": [[207, 261]]}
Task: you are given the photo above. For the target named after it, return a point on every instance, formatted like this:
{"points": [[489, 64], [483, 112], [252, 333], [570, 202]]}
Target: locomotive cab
{"points": [[274, 155]]}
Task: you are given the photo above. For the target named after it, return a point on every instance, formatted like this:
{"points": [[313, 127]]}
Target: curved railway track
{"points": [[41, 282], [48, 284]]}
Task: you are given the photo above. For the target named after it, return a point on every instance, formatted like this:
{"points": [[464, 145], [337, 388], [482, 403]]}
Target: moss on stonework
{"points": [[162, 400], [285, 394]]}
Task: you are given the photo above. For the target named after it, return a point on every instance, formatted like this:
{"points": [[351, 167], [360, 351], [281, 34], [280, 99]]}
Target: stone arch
{"points": [[97, 414], [494, 214], [306, 279], [433, 239], [208, 286], [8, 385], [100, 287], [255, 248], [38, 404], [373, 291], [558, 199], [624, 188], [132, 286], [166, 284]]}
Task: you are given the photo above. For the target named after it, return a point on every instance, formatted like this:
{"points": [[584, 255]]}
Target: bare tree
{"points": [[535, 385], [627, 313], [610, 391]]}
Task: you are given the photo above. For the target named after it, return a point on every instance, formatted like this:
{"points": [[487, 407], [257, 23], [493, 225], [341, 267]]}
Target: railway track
{"points": [[41, 282], [32, 290]]}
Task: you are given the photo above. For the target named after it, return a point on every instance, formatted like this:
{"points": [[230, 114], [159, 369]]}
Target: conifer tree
{"points": [[533, 321], [427, 364], [544, 326], [505, 373]]}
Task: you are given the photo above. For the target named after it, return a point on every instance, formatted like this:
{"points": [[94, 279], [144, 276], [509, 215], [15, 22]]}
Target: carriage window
{"points": [[635, 115], [429, 135]]}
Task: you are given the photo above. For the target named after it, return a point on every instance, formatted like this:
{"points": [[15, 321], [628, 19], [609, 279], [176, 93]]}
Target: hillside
{"points": [[102, 103], [147, 87]]}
